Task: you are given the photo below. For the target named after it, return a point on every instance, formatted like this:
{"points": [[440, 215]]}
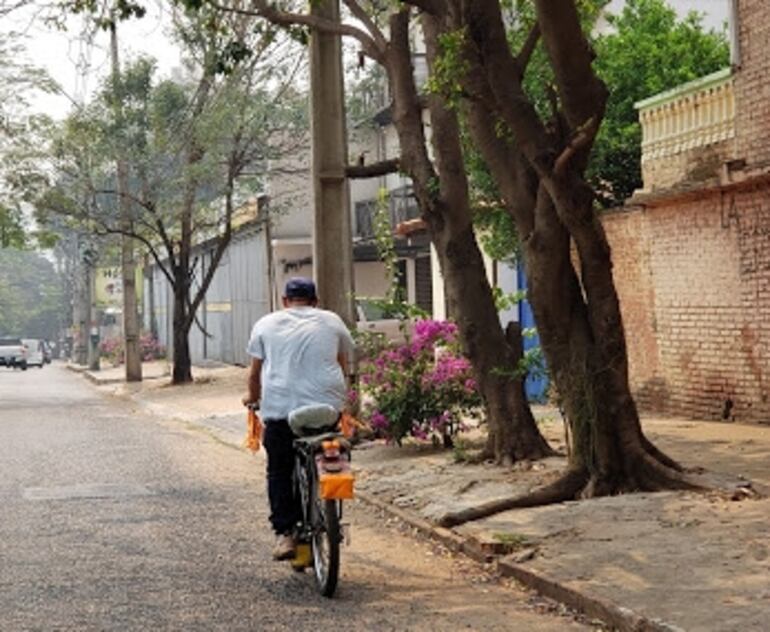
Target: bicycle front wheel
{"points": [[326, 546]]}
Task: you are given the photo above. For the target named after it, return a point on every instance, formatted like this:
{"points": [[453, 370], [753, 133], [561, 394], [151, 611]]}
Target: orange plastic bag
{"points": [[349, 424], [253, 439], [337, 486]]}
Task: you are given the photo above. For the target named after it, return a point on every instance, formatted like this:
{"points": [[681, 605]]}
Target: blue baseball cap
{"points": [[300, 287]]}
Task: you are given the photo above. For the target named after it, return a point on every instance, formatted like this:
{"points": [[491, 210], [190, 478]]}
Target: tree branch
{"points": [[581, 92], [375, 169], [581, 139], [108, 230], [366, 20], [525, 54], [262, 8]]}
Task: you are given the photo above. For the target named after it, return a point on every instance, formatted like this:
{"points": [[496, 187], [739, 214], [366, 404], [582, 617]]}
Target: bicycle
{"points": [[322, 480]]}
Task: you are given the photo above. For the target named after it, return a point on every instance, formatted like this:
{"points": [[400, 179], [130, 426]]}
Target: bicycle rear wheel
{"points": [[326, 546]]}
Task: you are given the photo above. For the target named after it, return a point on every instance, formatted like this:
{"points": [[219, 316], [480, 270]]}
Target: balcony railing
{"points": [[402, 206], [697, 114]]}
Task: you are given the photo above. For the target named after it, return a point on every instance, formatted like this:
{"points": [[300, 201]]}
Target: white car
{"points": [[375, 317], [35, 355], [13, 353]]}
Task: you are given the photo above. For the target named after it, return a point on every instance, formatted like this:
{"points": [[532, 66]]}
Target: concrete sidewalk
{"points": [[666, 561], [154, 370]]}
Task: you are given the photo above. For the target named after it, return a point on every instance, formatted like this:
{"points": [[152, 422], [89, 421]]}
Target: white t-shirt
{"points": [[298, 347]]}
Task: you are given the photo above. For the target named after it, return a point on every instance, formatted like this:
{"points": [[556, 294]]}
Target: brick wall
{"points": [[752, 88], [694, 285]]}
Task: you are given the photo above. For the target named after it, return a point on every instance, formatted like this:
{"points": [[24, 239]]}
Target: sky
{"points": [[77, 66]]}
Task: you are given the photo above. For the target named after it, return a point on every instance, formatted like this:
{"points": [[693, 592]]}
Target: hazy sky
{"points": [[78, 66]]}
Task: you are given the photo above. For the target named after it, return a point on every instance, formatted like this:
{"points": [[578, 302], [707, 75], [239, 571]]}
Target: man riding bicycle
{"points": [[300, 356]]}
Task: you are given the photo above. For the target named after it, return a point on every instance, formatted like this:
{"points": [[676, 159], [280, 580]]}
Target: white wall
{"points": [[370, 279]]}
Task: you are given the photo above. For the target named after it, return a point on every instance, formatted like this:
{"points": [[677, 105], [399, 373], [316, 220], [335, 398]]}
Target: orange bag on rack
{"points": [[253, 439], [349, 425]]}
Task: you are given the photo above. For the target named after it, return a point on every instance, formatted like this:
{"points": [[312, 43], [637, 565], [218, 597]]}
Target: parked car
{"points": [[13, 353], [375, 317], [35, 355], [47, 351]]}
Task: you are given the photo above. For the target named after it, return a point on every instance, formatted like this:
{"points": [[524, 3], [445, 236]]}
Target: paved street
{"points": [[114, 521]]}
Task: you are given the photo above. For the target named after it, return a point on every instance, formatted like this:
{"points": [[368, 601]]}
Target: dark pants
{"points": [[285, 510]]}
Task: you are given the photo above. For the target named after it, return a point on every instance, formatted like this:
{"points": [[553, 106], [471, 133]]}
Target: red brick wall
{"points": [[694, 284], [631, 258], [752, 88]]}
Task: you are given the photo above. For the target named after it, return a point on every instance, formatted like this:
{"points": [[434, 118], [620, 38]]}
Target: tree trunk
{"points": [[443, 198], [540, 177], [182, 373]]}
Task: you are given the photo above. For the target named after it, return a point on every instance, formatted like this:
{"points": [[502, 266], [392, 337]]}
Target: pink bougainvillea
{"points": [[423, 388]]}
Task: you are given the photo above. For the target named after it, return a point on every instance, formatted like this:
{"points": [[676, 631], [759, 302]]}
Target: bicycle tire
{"points": [[328, 538]]}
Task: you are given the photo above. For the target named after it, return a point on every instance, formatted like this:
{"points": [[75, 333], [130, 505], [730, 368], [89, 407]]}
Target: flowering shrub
{"points": [[421, 389], [114, 349]]}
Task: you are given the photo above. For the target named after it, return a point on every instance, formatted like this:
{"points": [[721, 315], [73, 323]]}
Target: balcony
{"points": [[687, 132], [402, 206]]}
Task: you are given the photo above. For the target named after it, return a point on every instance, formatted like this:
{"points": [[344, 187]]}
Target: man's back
{"points": [[299, 348]]}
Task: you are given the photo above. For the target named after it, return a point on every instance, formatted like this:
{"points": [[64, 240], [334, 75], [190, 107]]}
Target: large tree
{"points": [[196, 150], [539, 163], [437, 172], [20, 129], [31, 296], [538, 157]]}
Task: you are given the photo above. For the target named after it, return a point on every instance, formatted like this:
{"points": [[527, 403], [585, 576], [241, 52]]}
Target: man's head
{"points": [[299, 291]]}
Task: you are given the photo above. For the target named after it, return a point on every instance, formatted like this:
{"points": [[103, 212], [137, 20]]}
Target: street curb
{"points": [[93, 377], [621, 619], [447, 537]]}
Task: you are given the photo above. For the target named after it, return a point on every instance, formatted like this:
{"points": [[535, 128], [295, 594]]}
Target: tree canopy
{"points": [[647, 50], [31, 295]]}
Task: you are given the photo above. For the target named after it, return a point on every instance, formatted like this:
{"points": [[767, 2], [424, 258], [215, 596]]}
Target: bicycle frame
{"points": [[320, 526]]}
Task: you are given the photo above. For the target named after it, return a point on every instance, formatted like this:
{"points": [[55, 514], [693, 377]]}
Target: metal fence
{"points": [[238, 296]]}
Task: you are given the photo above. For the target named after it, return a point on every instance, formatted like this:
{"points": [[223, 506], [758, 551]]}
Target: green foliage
{"points": [[31, 297], [12, 229], [449, 67], [364, 95], [505, 301], [386, 246], [648, 51], [21, 167]]}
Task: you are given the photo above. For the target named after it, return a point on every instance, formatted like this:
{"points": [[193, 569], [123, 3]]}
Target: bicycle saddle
{"points": [[312, 419]]}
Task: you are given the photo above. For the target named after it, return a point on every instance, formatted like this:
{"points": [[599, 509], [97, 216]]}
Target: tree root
{"points": [[661, 456], [644, 472], [565, 488]]}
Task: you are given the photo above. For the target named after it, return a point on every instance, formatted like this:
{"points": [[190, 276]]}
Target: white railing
{"points": [[695, 114]]}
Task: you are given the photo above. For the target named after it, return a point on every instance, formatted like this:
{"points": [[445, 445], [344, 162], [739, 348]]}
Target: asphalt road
{"points": [[110, 520]]}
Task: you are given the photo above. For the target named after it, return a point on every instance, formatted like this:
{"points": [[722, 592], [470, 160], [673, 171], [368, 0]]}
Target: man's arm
{"points": [[254, 393], [342, 358]]}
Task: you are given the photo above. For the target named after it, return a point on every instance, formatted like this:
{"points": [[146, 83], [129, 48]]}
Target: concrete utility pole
{"points": [[93, 324], [332, 235], [130, 312], [82, 309]]}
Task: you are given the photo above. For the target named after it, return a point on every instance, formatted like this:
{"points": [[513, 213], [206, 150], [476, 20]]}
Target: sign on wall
{"points": [[108, 287]]}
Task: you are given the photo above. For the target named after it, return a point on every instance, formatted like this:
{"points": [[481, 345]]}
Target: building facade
{"points": [[692, 249]]}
